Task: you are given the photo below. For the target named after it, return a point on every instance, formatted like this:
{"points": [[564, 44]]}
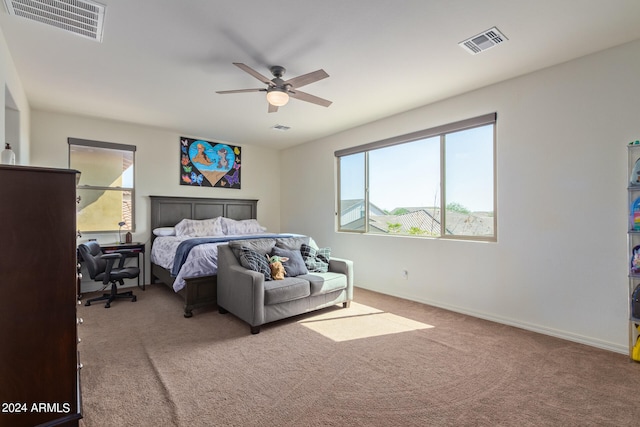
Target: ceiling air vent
{"points": [[483, 41], [281, 128], [81, 17]]}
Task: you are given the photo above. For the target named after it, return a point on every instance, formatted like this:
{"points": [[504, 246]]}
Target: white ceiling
{"points": [[161, 61]]}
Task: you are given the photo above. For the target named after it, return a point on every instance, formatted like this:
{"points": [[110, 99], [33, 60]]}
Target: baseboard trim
{"points": [[581, 339]]}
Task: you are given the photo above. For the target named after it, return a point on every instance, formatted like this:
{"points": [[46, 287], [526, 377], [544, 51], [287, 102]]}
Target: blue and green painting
{"points": [[209, 164]]}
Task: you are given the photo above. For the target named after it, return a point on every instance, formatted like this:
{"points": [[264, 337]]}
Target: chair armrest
{"points": [[111, 258], [124, 253], [344, 266], [120, 254], [240, 291]]}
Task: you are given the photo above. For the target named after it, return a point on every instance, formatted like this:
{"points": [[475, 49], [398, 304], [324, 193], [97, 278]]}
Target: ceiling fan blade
{"points": [[254, 73], [306, 79], [303, 96], [273, 108], [240, 91]]}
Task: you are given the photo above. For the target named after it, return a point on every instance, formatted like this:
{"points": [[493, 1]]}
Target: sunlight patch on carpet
{"points": [[359, 321]]}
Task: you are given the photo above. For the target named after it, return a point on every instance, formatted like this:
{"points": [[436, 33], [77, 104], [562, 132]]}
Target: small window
{"points": [[106, 186], [434, 183], [469, 182], [352, 190]]}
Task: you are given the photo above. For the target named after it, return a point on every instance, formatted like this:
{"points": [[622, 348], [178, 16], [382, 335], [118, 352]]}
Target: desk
{"points": [[136, 249]]}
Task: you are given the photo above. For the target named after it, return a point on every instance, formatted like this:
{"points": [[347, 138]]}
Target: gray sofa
{"points": [[249, 295]]}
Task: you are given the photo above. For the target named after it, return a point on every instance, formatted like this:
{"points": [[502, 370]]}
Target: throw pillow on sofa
{"points": [[262, 246], [295, 265], [316, 260], [252, 260], [293, 243]]}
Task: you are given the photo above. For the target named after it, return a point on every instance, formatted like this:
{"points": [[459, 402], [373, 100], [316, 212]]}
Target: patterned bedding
{"points": [[201, 261]]}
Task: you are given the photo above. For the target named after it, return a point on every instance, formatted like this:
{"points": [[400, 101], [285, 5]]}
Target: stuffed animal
{"points": [[275, 264]]}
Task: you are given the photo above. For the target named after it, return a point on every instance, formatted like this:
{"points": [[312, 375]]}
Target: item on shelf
{"points": [[8, 156], [635, 260], [635, 303], [634, 179], [128, 238], [635, 215], [635, 353]]}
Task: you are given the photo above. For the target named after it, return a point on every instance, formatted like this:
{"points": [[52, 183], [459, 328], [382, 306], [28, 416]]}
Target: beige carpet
{"points": [[382, 362]]}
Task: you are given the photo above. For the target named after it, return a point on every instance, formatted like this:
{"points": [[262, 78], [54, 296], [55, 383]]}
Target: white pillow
{"points": [[199, 228], [245, 226], [164, 231]]}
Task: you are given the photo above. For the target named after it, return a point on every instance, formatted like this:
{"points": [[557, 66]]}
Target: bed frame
{"points": [[167, 212]]}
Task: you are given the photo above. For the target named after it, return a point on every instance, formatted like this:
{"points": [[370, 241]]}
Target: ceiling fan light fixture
{"points": [[277, 97], [278, 90]]}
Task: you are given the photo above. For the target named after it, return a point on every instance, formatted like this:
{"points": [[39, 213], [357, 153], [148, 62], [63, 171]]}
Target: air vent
{"points": [[84, 18], [281, 128], [483, 41]]}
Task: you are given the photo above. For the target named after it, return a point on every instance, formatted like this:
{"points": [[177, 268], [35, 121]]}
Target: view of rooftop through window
{"points": [[409, 184]]}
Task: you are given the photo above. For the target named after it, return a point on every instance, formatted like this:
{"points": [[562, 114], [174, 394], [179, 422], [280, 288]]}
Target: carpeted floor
{"points": [[382, 362]]}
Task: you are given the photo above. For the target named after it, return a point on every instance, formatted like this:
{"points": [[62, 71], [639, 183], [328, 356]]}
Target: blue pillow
{"points": [[295, 266]]}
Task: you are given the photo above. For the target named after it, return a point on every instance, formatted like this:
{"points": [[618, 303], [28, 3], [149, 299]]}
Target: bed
{"points": [[169, 211]]}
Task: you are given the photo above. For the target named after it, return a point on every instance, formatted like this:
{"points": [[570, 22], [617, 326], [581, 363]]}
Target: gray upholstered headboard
{"points": [[167, 211]]}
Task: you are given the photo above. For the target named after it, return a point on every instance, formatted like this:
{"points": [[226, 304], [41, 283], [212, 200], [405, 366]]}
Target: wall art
{"points": [[209, 164]]}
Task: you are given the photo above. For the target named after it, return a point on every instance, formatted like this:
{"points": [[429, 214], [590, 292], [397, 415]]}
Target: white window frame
{"points": [[129, 225], [439, 131]]}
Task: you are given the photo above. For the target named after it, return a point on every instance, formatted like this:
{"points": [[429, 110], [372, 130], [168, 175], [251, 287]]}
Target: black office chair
{"points": [[101, 269]]}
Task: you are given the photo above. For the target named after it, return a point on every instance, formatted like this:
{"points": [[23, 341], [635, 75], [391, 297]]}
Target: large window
{"points": [[106, 185], [438, 182]]}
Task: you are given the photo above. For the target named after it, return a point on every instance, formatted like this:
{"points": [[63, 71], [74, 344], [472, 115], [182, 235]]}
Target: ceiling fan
{"points": [[279, 90]]}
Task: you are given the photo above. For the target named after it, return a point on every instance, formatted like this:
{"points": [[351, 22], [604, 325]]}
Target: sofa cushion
{"points": [[262, 246], [317, 260], [255, 261], [295, 265], [323, 283], [292, 243], [288, 289]]}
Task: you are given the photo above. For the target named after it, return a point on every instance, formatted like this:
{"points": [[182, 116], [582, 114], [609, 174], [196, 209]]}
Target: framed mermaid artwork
{"points": [[209, 164]]}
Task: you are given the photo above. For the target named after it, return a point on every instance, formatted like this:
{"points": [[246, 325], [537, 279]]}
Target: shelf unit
{"points": [[633, 240]]}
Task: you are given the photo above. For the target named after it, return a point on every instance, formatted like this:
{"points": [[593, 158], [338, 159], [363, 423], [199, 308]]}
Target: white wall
{"points": [[560, 263], [157, 166], [14, 124], [157, 163]]}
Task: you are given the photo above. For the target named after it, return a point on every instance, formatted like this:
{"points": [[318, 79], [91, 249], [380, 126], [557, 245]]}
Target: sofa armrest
{"points": [[240, 291], [344, 266]]}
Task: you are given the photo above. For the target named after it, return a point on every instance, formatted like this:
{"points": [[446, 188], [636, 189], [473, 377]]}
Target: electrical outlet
{"points": [[405, 274]]}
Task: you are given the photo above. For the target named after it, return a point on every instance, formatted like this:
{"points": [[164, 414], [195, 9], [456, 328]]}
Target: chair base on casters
{"points": [[112, 296]]}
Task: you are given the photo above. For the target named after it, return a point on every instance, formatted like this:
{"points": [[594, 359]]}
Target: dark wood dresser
{"points": [[39, 361]]}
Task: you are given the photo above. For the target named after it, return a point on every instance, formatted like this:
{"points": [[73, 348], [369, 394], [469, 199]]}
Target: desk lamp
{"points": [[121, 223]]}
